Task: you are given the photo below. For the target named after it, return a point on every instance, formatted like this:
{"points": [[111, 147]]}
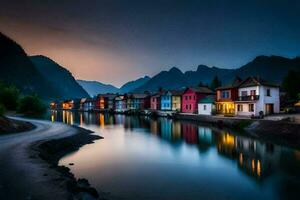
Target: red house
{"points": [[155, 102], [191, 96], [226, 96]]}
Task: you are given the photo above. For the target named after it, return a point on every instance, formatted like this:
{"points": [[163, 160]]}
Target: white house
{"points": [[256, 96], [206, 105]]}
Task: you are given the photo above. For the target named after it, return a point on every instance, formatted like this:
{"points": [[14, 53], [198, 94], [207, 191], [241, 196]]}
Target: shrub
{"points": [[32, 106], [2, 109], [9, 97]]}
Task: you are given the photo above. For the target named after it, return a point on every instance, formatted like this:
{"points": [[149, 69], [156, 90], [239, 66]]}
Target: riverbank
{"points": [[29, 163], [8, 126]]}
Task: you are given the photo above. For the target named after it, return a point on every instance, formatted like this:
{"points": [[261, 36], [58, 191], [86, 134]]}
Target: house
{"points": [[166, 101], [76, 104], [171, 100], [81, 106], [256, 97], [67, 104], [89, 104], [54, 105], [138, 101], [206, 106], [120, 103], [176, 100], [191, 97], [226, 96], [155, 101], [105, 102]]}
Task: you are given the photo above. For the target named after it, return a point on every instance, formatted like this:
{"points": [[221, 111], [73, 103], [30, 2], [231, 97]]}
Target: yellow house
{"points": [[176, 100]]}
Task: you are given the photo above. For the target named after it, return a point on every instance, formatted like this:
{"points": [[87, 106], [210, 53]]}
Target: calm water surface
{"points": [[141, 158]]}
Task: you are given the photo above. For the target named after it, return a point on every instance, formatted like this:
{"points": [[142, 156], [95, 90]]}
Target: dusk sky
{"points": [[115, 41]]}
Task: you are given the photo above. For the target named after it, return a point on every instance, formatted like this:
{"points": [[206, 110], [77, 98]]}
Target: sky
{"points": [[115, 41]]}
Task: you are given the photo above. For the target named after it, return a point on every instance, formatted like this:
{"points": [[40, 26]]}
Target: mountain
{"points": [[270, 68], [132, 85], [94, 87], [16, 68], [60, 78], [172, 79]]}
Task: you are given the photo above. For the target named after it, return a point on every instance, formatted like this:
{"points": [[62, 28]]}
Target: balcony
{"points": [[248, 98]]}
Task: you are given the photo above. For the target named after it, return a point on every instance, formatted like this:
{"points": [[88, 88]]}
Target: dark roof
{"points": [[201, 90], [234, 84], [139, 96], [173, 92], [208, 99], [256, 81]]}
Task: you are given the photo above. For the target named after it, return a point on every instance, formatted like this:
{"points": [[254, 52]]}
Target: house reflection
{"points": [[253, 158], [166, 128], [190, 133]]}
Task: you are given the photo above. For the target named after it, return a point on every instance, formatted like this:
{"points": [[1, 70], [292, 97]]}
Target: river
{"points": [[163, 159]]}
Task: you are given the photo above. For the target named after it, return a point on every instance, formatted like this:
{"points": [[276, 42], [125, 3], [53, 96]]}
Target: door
{"points": [[269, 108]]}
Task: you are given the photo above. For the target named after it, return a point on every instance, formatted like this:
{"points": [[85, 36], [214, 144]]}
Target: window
{"points": [[186, 107], [204, 107], [190, 106], [253, 92], [240, 108], [251, 107], [190, 97], [225, 94], [244, 93], [268, 92], [186, 97]]}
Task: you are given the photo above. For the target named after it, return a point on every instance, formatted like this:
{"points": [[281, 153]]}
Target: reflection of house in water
{"points": [[226, 144], [68, 117], [205, 138], [256, 158], [166, 128], [120, 119], [189, 132], [154, 127], [176, 130]]}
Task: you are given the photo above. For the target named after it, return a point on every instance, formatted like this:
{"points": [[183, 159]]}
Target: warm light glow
{"points": [[241, 158], [228, 139], [253, 165], [258, 168], [102, 120]]}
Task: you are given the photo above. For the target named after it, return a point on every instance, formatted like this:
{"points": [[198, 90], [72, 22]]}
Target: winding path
{"points": [[22, 177]]}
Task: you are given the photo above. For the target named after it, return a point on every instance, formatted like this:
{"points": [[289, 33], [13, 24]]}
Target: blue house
{"points": [[166, 101]]}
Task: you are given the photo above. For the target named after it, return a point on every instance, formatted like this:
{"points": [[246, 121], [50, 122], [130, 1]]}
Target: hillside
{"points": [[60, 78], [270, 68], [94, 87], [132, 85], [17, 69]]}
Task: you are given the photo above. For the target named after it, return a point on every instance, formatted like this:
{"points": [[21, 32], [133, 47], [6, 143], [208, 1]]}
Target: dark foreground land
{"points": [[28, 167], [8, 125]]}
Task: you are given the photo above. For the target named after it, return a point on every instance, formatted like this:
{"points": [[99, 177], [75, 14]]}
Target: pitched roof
{"points": [[256, 81], [201, 90], [208, 99], [235, 83]]}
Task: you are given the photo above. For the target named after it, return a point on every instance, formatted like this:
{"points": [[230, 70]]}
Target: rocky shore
{"points": [[51, 151]]}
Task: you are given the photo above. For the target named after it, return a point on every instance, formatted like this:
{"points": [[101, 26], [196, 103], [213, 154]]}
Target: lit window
{"points": [[204, 107]]}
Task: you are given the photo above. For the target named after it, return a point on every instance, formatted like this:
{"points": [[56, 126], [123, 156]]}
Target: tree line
{"points": [[12, 100]]}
